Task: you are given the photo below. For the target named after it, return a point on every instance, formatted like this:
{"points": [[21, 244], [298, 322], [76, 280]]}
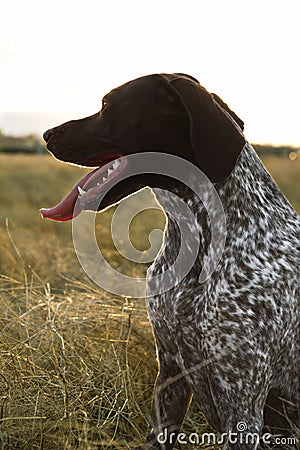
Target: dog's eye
{"points": [[104, 103]]}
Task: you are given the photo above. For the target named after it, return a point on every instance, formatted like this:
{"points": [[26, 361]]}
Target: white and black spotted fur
{"points": [[231, 342], [235, 338]]}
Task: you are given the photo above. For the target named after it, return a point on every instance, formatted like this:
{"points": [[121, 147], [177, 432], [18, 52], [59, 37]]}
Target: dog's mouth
{"points": [[87, 191]]}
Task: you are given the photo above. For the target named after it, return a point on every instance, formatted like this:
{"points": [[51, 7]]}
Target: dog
{"points": [[232, 342]]}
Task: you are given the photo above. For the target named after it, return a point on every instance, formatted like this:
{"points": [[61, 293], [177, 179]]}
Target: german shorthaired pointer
{"points": [[231, 342]]}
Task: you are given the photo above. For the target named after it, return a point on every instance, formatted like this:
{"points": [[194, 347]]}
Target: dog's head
{"points": [[163, 113]]}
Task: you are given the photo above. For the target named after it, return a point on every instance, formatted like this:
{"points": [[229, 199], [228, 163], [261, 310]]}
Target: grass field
{"points": [[77, 364]]}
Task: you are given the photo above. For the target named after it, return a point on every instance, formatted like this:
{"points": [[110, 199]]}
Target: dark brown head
{"points": [[161, 113]]}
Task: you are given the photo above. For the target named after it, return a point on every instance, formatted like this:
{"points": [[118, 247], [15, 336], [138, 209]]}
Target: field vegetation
{"points": [[77, 363]]}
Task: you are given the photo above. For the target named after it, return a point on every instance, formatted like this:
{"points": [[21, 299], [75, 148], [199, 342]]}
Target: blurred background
{"points": [[58, 59], [78, 364]]}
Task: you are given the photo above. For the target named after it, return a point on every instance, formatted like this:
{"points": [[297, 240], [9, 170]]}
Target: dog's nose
{"points": [[47, 134]]}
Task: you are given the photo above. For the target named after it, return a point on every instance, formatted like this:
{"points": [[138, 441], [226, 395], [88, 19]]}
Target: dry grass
{"points": [[74, 372], [77, 364]]}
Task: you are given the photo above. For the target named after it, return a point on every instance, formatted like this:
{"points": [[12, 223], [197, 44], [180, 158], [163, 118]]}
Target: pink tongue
{"points": [[65, 209]]}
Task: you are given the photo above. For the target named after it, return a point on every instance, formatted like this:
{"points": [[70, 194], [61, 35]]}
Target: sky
{"points": [[59, 57]]}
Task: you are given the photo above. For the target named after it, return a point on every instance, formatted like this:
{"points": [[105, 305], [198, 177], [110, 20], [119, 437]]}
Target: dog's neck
{"points": [[249, 185], [190, 214], [187, 228]]}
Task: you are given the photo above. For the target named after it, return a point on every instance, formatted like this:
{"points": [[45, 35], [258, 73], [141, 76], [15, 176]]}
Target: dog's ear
{"points": [[216, 139], [231, 113], [167, 100]]}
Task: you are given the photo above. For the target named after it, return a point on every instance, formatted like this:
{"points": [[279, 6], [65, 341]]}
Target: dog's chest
{"points": [[174, 295], [174, 314]]}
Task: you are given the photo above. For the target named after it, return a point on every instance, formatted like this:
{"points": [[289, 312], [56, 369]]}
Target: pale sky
{"points": [[58, 58]]}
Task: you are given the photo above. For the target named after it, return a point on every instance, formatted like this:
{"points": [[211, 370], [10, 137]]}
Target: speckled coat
{"points": [[233, 340]]}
